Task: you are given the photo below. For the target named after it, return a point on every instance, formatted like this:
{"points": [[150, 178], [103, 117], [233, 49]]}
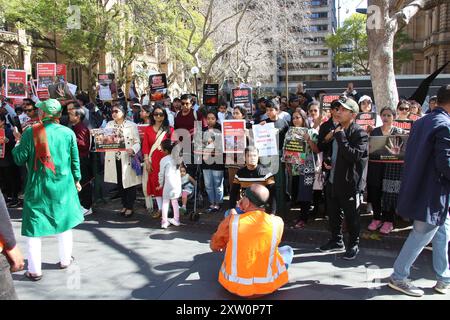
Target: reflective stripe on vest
{"points": [[233, 277]]}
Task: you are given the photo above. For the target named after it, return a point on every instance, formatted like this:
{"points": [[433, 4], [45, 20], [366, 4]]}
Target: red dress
{"points": [[149, 140]]}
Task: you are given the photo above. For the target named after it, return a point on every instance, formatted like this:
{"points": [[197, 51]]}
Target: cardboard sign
{"points": [[295, 147], [403, 124], [242, 97], [158, 87], [16, 84], [2, 143], [387, 148], [46, 73], [61, 72], [108, 139], [233, 136], [327, 99], [211, 95], [265, 138], [365, 119]]}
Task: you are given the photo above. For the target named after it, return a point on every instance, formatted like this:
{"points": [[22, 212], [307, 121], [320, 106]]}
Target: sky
{"points": [[348, 7]]}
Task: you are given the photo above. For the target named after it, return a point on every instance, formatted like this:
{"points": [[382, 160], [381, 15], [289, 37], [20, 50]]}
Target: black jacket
{"points": [[351, 159], [323, 146]]}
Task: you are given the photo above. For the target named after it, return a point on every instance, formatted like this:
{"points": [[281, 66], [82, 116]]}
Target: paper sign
{"points": [[295, 147], [265, 138], [233, 136], [387, 148], [211, 95], [108, 139], [61, 72], [242, 97], [327, 99], [141, 129], [403, 124], [46, 73], [158, 86], [16, 84], [365, 119]]}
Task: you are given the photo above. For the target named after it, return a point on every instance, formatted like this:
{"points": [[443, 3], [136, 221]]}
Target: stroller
{"points": [[196, 199]]}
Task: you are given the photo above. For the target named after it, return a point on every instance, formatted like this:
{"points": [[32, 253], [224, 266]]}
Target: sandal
{"points": [[300, 225], [156, 214], [32, 277], [62, 266], [128, 215]]}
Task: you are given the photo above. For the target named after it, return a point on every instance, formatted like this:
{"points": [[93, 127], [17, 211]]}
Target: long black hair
{"points": [[165, 124]]}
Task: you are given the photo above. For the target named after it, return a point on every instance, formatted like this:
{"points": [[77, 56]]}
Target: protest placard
{"points": [[403, 124], [45, 74], [233, 136], [327, 99], [265, 139], [61, 72], [104, 86], [16, 84], [211, 95], [141, 129], [242, 97], [365, 119], [295, 146], [108, 139], [158, 86], [387, 148], [2, 143]]}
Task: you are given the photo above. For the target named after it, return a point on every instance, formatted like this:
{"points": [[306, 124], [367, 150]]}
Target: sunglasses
{"points": [[158, 114], [403, 109]]}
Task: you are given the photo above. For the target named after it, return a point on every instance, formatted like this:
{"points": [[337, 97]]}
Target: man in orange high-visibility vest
{"points": [[253, 264]]}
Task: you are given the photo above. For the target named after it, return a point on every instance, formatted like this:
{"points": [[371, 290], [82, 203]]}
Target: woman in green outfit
{"points": [[51, 205]]}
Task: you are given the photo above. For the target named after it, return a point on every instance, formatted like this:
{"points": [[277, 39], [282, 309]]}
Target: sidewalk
{"points": [[119, 258]]}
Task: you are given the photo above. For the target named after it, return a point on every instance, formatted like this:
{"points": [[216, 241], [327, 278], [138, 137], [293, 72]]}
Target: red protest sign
{"points": [[16, 84], [233, 135], [46, 73]]}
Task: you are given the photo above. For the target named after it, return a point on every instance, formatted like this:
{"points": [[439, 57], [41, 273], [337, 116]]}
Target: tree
{"points": [[385, 19], [350, 46]]}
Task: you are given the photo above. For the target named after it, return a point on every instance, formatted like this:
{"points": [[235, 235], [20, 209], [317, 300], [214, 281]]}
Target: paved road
{"points": [[118, 258]]}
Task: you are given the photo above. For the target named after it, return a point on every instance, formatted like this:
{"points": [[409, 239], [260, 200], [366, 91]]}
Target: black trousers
{"points": [[10, 180], [339, 207], [128, 194], [85, 194], [374, 197]]}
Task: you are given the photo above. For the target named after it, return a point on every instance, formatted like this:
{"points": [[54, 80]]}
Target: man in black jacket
{"points": [[345, 183]]}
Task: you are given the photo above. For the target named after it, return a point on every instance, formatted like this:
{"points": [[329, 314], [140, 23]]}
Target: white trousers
{"points": [[165, 210], [65, 244], [148, 199]]}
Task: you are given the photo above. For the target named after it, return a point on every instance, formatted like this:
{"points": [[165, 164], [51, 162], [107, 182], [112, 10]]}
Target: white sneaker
{"points": [[86, 212], [165, 225], [174, 222], [406, 287], [441, 287]]}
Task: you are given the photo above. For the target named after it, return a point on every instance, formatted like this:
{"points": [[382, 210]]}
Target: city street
{"points": [[117, 258]]}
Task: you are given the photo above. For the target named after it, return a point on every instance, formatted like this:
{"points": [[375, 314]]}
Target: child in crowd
{"points": [[170, 180], [187, 185]]}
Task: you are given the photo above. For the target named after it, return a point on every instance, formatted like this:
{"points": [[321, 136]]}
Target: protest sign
{"points": [[2, 143], [158, 86], [242, 97], [16, 84], [327, 99], [265, 139], [46, 73], [295, 147], [141, 129], [72, 88], [211, 95], [61, 72], [403, 124], [233, 136], [108, 139], [387, 148], [365, 119], [104, 83]]}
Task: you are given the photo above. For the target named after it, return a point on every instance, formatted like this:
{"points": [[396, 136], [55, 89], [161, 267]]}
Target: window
{"points": [[319, 27], [297, 78], [318, 15], [315, 53]]}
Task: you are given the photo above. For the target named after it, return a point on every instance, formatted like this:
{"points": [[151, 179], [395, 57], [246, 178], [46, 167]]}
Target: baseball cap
{"points": [[349, 104], [50, 106], [363, 98]]}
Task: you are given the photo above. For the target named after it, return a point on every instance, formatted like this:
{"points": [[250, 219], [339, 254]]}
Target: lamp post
{"points": [[195, 71], [258, 85]]}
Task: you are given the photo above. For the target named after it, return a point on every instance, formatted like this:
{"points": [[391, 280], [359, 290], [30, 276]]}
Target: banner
{"points": [[365, 119], [265, 138], [158, 87], [104, 82], [387, 148], [233, 136], [2, 143], [61, 72], [295, 147], [211, 95], [242, 97], [327, 99], [403, 124], [16, 84], [46, 73], [108, 139]]}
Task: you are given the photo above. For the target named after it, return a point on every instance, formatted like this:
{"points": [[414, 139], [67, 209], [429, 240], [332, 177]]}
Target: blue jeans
{"points": [[214, 185], [288, 255], [422, 234]]}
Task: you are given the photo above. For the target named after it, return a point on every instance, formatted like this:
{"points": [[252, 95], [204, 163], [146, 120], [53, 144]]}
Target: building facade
{"points": [[430, 45]]}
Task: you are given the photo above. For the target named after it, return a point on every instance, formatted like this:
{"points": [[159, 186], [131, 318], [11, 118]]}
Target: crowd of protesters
{"points": [[334, 179]]}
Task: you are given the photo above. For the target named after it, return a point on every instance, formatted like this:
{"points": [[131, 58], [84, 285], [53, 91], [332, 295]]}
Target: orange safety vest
{"points": [[253, 264]]}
